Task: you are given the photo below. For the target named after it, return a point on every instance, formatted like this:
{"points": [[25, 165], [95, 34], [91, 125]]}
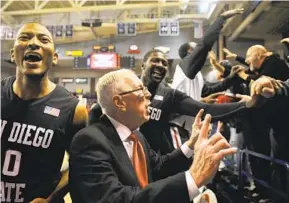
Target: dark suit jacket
{"points": [[285, 89], [101, 171]]}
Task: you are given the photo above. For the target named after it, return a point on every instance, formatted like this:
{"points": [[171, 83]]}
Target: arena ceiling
{"points": [[265, 17], [146, 14]]}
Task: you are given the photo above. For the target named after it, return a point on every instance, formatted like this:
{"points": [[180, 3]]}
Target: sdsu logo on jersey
{"points": [[28, 134], [24, 134], [155, 113]]}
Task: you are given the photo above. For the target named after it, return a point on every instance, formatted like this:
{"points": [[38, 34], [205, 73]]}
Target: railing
{"points": [[263, 183]]}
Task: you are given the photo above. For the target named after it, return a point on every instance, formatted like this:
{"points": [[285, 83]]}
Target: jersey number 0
{"points": [[11, 155]]}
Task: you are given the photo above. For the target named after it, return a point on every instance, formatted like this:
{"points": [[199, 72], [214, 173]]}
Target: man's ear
{"points": [[12, 55], [118, 102], [142, 66], [55, 59]]}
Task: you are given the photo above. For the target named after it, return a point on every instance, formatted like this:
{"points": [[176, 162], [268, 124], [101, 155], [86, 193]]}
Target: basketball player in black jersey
{"points": [[38, 121], [165, 101]]}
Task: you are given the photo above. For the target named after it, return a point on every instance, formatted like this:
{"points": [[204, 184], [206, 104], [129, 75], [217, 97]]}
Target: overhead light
{"points": [[185, 4], [206, 6], [212, 8]]}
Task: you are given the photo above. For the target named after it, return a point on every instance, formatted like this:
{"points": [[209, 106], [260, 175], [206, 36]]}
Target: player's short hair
{"points": [[38, 24], [183, 50], [227, 65], [147, 55]]}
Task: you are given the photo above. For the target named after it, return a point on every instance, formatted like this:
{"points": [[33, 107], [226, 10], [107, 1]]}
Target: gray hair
{"points": [[109, 85]]}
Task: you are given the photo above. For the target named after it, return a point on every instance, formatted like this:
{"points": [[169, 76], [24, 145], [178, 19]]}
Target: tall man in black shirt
{"points": [[188, 78], [38, 121], [263, 63]]}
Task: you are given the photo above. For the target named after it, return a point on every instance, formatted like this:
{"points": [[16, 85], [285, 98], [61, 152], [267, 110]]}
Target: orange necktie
{"points": [[139, 161]]}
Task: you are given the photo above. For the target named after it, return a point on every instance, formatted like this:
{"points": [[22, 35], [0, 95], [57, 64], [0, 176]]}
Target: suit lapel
{"points": [[117, 146]]}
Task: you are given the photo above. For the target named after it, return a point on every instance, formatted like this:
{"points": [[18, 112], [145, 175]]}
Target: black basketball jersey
{"points": [[157, 128], [34, 136]]}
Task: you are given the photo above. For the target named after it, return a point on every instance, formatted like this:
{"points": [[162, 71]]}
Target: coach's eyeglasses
{"points": [[144, 90]]}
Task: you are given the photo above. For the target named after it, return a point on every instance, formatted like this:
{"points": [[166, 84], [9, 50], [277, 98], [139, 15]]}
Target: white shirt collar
{"points": [[123, 131]]}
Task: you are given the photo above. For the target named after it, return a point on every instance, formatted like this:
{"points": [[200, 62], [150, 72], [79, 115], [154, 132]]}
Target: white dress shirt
{"points": [[191, 87], [124, 133]]}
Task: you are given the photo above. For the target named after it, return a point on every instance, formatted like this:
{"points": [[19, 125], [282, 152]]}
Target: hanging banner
{"points": [[10, 34], [126, 29], [174, 28], [50, 28], [121, 29], [3, 32], [169, 28], [131, 29], [68, 30], [164, 28], [59, 31]]}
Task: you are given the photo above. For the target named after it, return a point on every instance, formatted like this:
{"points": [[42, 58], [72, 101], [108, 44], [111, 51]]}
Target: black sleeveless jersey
{"points": [[34, 136]]}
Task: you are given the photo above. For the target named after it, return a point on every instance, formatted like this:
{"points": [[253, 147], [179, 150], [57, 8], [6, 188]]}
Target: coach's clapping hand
{"points": [[208, 153], [195, 130]]}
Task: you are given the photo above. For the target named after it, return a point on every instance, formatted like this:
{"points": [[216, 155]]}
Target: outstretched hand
{"points": [[195, 129], [229, 55], [236, 70], [212, 98], [233, 12], [213, 58], [285, 40], [243, 98], [265, 86], [208, 153]]}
